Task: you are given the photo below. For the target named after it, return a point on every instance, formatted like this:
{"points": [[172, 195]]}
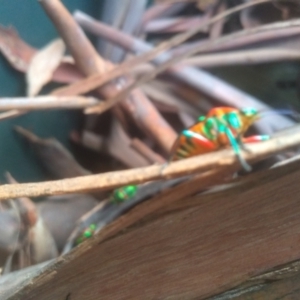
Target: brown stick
{"points": [[74, 37], [179, 39], [137, 105], [278, 31], [94, 81], [178, 24], [244, 57], [11, 114], [147, 77], [161, 10], [220, 160], [253, 35], [217, 28], [47, 102], [199, 79], [54, 157]]}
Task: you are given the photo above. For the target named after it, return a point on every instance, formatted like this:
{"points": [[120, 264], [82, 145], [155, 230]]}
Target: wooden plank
{"points": [[193, 249], [283, 283], [288, 289]]}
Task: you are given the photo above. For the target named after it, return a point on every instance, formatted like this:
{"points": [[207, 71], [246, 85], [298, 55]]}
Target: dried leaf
{"points": [[60, 214], [19, 54], [42, 66], [35, 241], [55, 158], [68, 59], [14, 49], [42, 246], [66, 73]]}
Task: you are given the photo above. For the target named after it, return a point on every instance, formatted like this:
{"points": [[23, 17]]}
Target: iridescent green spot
{"points": [[201, 118], [234, 120], [124, 193], [88, 233], [249, 111], [222, 128], [93, 226], [210, 128]]}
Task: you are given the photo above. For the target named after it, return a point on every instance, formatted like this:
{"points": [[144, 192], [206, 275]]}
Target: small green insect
{"points": [[124, 193], [88, 233]]}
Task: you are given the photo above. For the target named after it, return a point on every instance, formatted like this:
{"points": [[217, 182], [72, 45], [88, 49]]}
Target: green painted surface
{"points": [[32, 24]]}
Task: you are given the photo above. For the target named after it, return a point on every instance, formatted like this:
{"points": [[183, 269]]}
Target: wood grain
{"points": [[210, 244], [280, 284]]}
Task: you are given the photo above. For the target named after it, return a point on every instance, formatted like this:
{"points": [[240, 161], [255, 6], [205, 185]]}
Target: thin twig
{"points": [[137, 105], [11, 114], [218, 160], [47, 102], [125, 17], [252, 36], [199, 79], [147, 77], [161, 10], [243, 37], [175, 24], [217, 28], [96, 80], [244, 57]]}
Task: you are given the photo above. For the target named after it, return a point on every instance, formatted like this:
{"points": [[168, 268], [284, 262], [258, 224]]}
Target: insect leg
{"points": [[252, 139], [255, 139], [235, 145]]}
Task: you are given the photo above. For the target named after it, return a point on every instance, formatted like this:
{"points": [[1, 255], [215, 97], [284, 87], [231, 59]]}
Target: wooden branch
{"points": [[191, 252], [278, 31], [219, 160], [47, 102], [177, 24], [11, 114], [147, 77], [138, 106], [94, 81], [19, 106], [201, 80], [243, 57], [253, 35], [53, 156], [162, 10]]}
